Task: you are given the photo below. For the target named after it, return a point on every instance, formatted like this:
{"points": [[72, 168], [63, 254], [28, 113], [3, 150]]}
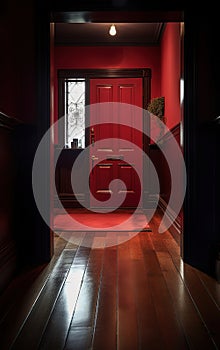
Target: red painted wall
{"points": [[164, 62], [109, 57], [170, 73], [170, 89]]}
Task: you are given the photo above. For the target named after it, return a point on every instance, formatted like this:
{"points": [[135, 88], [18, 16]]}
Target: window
{"points": [[74, 111]]}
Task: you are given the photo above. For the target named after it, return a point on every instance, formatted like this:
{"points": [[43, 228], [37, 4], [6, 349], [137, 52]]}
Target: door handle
{"points": [[93, 159], [92, 136]]}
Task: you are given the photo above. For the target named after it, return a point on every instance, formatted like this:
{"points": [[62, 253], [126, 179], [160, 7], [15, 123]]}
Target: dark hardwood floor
{"points": [[136, 295]]}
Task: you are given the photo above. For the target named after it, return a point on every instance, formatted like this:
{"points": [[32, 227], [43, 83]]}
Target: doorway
{"points": [[117, 160], [81, 93]]}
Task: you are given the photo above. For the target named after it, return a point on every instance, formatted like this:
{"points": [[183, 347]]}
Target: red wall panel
{"points": [[170, 73], [70, 57]]}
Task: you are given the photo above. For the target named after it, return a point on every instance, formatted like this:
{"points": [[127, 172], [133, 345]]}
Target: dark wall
{"points": [[19, 100], [201, 141], [8, 173], [18, 124], [18, 60], [157, 154]]}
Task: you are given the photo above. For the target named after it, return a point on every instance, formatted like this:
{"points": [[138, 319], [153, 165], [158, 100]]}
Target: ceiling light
{"points": [[112, 30]]}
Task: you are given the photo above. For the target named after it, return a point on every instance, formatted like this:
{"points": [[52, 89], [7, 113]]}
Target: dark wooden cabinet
{"points": [[64, 170]]}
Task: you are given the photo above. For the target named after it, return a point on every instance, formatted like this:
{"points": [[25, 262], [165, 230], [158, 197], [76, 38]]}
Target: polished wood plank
{"points": [[168, 322], [208, 309], [146, 311], [58, 324], [173, 268], [34, 326], [84, 314], [20, 296], [79, 338], [23, 280], [106, 321], [44, 305], [138, 294], [55, 334], [213, 288], [127, 332], [193, 326]]}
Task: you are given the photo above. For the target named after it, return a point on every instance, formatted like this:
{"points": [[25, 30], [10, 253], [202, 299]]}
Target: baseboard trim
{"points": [[69, 201], [175, 229]]}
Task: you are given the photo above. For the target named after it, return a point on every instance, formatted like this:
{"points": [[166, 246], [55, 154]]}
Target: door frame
{"points": [[198, 34], [46, 15], [87, 74]]}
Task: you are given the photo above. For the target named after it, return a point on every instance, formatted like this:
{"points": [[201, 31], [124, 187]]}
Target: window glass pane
{"points": [[75, 112]]}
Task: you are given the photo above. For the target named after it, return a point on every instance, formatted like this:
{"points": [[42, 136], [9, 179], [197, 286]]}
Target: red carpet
{"points": [[121, 220]]}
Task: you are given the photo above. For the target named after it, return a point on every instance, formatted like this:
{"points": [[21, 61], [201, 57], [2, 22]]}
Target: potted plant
{"points": [[156, 108]]}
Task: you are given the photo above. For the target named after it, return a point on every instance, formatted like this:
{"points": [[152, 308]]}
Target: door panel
{"points": [[113, 154]]}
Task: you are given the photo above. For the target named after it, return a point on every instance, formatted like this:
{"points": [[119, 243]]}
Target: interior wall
{"points": [[8, 249], [170, 73], [67, 57], [18, 118], [170, 89], [164, 61], [201, 218], [52, 114], [18, 61]]}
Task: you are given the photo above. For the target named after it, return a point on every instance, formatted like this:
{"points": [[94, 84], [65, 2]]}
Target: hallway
{"points": [[136, 295]]}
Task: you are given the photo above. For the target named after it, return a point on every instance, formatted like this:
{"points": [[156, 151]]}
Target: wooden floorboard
{"points": [[127, 336], [168, 321], [105, 329], [193, 326], [56, 330], [135, 295], [213, 288], [150, 335]]}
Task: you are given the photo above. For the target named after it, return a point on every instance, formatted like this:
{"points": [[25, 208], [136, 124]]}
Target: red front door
{"points": [[116, 142]]}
